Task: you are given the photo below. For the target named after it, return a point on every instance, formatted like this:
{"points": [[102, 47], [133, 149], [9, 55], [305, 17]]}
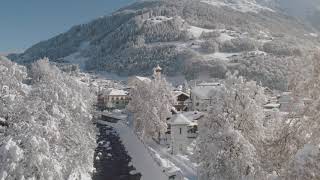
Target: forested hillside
{"points": [[187, 37]]}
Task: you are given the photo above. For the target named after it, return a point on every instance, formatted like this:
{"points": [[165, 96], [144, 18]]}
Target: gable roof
{"points": [[178, 93], [116, 92], [145, 79], [179, 119]]}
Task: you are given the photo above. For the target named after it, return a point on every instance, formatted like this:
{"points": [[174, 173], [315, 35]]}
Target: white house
{"points": [[201, 96], [113, 98], [179, 133]]}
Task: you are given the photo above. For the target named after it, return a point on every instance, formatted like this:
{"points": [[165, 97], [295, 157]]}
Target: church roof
{"points": [[145, 79]]}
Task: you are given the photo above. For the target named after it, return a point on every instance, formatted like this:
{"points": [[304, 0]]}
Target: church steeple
{"points": [[157, 71]]}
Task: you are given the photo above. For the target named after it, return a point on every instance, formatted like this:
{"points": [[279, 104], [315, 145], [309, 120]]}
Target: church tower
{"points": [[157, 72]]}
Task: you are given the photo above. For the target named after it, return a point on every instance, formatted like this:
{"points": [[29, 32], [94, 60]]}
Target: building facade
{"points": [[113, 99]]}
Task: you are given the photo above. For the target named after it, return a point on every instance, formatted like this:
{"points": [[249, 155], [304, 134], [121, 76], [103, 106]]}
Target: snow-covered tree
{"points": [[230, 134], [50, 133], [150, 104], [236, 142], [304, 164]]}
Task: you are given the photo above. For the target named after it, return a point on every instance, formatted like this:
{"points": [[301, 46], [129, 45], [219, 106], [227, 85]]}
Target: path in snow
{"points": [[141, 158], [187, 168]]}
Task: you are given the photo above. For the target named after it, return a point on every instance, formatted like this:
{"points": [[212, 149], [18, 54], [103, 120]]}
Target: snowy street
{"points": [[187, 168]]}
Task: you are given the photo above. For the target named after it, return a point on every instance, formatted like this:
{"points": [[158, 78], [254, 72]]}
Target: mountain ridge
{"points": [[192, 38]]}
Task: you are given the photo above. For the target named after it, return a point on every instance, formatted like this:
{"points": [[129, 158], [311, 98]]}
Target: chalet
{"points": [[182, 100]]}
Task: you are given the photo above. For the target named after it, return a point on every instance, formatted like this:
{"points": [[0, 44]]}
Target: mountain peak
{"points": [[239, 5]]}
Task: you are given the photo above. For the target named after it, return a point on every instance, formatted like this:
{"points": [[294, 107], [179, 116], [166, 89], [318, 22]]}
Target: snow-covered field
{"points": [[197, 31], [220, 55], [159, 19]]}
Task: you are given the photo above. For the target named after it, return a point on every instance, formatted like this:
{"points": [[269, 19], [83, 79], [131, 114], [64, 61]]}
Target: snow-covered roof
{"points": [[271, 105], [193, 124], [117, 92], [178, 93], [193, 115], [179, 119], [145, 79]]}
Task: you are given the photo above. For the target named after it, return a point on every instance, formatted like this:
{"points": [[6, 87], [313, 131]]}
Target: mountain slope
{"points": [[196, 38]]}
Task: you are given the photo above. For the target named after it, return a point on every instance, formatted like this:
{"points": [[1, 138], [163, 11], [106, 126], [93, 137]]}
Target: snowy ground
{"points": [[220, 55], [197, 31], [159, 19], [188, 169]]}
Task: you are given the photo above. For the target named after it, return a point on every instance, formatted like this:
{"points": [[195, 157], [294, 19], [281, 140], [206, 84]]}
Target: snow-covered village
{"points": [[160, 90]]}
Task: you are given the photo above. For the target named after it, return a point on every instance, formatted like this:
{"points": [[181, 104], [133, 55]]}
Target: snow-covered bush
{"points": [[50, 133]]}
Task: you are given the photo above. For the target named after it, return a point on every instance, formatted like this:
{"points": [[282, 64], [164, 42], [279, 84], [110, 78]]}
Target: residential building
{"points": [[179, 133], [113, 99], [182, 100]]}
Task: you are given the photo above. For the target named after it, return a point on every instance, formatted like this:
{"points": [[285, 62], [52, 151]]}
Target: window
{"points": [[180, 131]]}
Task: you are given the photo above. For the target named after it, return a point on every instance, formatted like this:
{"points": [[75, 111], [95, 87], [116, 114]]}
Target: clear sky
{"points": [[26, 22]]}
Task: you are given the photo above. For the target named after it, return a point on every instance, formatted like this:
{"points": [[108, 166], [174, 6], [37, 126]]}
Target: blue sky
{"points": [[26, 22]]}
